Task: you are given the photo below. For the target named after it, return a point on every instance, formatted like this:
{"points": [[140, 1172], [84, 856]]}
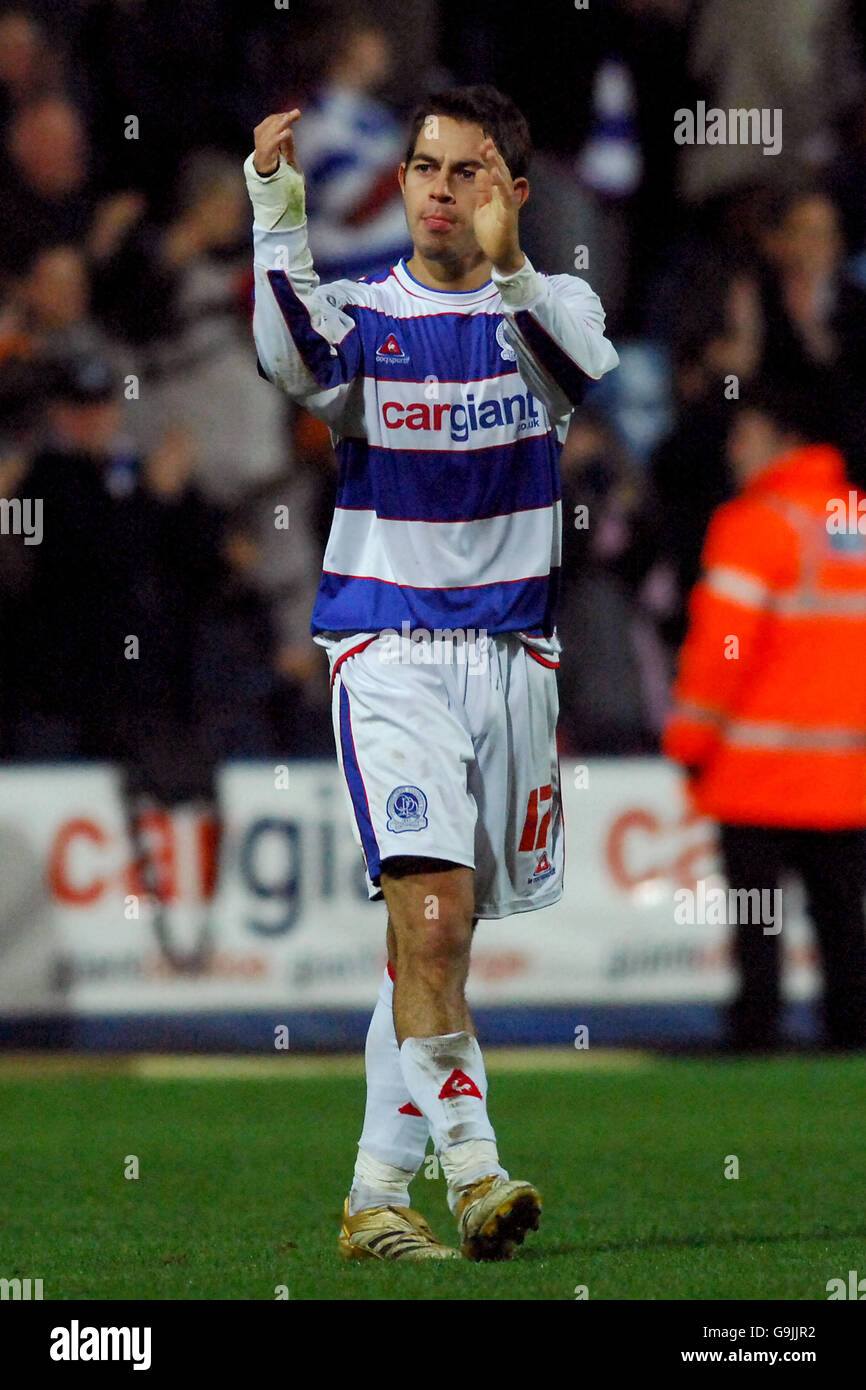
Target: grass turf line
{"points": [[242, 1181]]}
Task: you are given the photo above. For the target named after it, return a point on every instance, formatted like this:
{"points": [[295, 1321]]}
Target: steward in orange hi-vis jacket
{"points": [[769, 714]]}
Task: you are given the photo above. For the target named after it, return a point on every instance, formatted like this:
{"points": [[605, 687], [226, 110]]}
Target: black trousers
{"points": [[832, 867]]}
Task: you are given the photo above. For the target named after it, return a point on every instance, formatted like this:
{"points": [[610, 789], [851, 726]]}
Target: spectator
{"points": [[48, 310], [48, 199], [690, 469], [68, 648], [616, 591], [350, 145], [815, 318], [770, 713], [130, 549], [29, 65], [797, 57], [177, 296]]}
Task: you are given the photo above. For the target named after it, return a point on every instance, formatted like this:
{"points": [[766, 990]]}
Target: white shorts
{"points": [[454, 757]]}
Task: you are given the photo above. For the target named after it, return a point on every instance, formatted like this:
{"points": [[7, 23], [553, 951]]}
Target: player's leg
{"points": [[511, 707], [405, 748], [378, 1218], [395, 1133], [431, 907], [432, 910], [378, 1221], [394, 1138]]}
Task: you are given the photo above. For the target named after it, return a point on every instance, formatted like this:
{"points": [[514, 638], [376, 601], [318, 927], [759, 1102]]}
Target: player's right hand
{"points": [[274, 138]]}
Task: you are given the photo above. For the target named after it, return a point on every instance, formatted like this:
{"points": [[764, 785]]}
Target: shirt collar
{"points": [[456, 300]]}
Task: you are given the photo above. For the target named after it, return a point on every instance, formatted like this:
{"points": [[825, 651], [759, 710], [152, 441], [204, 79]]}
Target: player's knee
{"points": [[437, 940], [430, 909]]}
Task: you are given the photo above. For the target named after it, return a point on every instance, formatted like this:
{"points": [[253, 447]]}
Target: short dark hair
{"points": [[486, 106]]}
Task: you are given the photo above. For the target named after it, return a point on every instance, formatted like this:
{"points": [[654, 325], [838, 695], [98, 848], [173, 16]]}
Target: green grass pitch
{"points": [[242, 1181]]}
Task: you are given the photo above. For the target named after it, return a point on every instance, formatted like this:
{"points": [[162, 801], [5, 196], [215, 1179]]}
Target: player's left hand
{"points": [[495, 217]]}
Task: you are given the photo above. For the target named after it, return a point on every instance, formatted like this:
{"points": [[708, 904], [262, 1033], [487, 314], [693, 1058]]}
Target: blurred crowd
{"points": [[186, 503]]}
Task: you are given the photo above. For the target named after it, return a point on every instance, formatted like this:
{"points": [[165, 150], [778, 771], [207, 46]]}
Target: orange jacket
{"points": [[770, 699]]}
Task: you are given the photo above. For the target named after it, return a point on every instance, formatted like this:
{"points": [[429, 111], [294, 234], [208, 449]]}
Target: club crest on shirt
{"points": [[407, 809], [506, 351], [391, 351]]}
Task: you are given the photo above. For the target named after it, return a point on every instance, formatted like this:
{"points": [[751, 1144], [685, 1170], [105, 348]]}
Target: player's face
{"points": [[439, 189]]}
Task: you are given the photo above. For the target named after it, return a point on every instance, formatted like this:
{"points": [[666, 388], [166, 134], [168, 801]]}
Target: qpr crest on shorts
{"points": [[407, 809]]}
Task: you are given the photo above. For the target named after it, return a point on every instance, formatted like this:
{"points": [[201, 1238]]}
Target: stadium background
{"points": [[129, 403]]}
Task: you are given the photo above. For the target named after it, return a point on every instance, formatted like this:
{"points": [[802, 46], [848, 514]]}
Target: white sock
{"points": [[467, 1163], [394, 1138], [448, 1083], [378, 1184]]}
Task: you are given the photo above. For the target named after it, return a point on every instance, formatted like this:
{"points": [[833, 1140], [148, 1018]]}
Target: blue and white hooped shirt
{"points": [[448, 411]]}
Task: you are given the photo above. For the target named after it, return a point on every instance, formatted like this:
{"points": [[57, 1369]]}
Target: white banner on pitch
{"points": [[290, 926]]}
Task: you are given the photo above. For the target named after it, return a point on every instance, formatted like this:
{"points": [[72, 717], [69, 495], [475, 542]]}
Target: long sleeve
{"points": [[555, 324], [307, 344]]}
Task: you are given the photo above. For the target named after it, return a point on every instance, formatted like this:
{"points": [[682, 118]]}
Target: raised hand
{"points": [[274, 138], [495, 217]]}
